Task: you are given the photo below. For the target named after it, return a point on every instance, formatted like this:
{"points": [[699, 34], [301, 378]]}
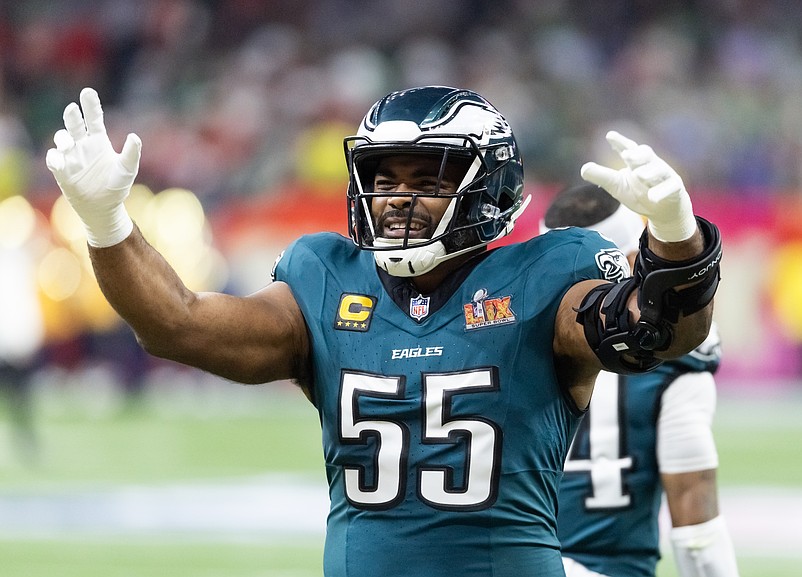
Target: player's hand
{"points": [[92, 176], [649, 186]]}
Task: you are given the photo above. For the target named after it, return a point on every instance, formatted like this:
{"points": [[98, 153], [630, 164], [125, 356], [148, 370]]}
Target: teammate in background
{"points": [[449, 378], [643, 434]]}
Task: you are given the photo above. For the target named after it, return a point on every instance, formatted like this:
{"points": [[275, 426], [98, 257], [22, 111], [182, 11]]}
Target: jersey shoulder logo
{"points": [[484, 311], [613, 264], [354, 312]]}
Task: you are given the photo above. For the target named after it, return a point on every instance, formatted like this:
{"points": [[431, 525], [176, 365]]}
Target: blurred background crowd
{"points": [[242, 106]]}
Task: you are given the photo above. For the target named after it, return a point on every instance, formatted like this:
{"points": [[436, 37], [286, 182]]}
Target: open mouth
{"points": [[393, 224], [397, 228]]}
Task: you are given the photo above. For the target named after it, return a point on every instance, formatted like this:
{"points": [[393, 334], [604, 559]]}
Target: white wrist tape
{"points": [[676, 229], [704, 550], [104, 230]]}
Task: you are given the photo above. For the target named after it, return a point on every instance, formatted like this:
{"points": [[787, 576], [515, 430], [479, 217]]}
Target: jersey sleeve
{"points": [[285, 262], [579, 254], [304, 265], [304, 260], [684, 428]]}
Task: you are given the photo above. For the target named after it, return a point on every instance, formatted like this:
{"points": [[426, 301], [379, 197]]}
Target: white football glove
{"points": [[94, 178], [649, 186]]}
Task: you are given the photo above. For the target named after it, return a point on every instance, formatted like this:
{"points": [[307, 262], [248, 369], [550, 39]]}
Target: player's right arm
{"points": [[254, 339]]}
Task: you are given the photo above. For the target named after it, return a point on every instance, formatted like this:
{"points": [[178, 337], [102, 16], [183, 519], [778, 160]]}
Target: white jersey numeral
{"points": [[387, 487], [438, 486], [601, 433]]}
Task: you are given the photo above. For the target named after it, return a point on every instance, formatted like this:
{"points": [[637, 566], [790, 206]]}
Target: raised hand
{"points": [[93, 177], [647, 185]]}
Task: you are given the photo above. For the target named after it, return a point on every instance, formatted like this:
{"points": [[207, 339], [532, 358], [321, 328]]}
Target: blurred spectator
{"points": [[240, 100], [217, 84]]}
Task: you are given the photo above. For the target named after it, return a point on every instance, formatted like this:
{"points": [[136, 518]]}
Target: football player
{"points": [[643, 434], [449, 378]]}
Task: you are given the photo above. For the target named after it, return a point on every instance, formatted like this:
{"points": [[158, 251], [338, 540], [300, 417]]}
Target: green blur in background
{"points": [[221, 432]]}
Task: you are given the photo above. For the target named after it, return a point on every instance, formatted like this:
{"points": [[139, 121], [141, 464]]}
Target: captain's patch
{"points": [[354, 312]]}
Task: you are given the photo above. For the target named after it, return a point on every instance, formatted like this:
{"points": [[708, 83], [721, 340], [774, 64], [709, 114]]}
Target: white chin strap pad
{"points": [[408, 262]]}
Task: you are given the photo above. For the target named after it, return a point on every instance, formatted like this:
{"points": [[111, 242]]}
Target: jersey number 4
{"points": [[436, 485], [599, 447]]}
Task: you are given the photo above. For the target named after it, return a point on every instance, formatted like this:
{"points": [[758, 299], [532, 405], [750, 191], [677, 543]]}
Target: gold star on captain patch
{"points": [[354, 312]]}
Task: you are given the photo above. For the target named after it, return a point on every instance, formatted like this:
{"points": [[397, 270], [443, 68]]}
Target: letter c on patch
{"points": [[355, 312], [355, 307]]}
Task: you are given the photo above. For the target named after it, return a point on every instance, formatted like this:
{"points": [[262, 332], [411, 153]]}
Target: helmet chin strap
{"points": [[409, 262], [414, 260], [417, 260]]}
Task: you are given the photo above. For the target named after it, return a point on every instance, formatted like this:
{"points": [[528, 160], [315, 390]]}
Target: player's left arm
{"points": [[688, 463], [665, 310]]}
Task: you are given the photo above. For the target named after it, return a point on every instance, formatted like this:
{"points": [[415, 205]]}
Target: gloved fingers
{"points": [[619, 142], [603, 176], [55, 161], [93, 111], [669, 187], [63, 140], [640, 155], [653, 173], [74, 122], [131, 152]]}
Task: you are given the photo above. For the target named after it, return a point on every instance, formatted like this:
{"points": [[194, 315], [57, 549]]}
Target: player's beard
{"points": [[425, 233], [453, 242]]}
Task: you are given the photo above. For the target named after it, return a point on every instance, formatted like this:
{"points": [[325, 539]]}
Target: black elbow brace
{"points": [[626, 348]]}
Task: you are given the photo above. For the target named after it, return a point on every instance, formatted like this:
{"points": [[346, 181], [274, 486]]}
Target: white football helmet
{"points": [[448, 122]]}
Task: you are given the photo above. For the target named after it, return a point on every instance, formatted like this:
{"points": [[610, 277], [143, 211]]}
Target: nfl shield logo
{"points": [[419, 307]]}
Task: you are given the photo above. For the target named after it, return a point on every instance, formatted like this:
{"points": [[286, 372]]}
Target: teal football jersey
{"points": [[611, 493], [444, 431]]}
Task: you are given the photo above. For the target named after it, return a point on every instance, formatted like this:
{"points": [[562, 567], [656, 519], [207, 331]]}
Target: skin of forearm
{"points": [[692, 497], [143, 288], [202, 329]]}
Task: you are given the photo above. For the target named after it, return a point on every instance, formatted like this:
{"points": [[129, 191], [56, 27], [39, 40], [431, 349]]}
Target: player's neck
{"points": [[427, 283]]}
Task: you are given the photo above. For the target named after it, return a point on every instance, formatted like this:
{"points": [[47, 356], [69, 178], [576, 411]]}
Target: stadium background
{"points": [[242, 106]]}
